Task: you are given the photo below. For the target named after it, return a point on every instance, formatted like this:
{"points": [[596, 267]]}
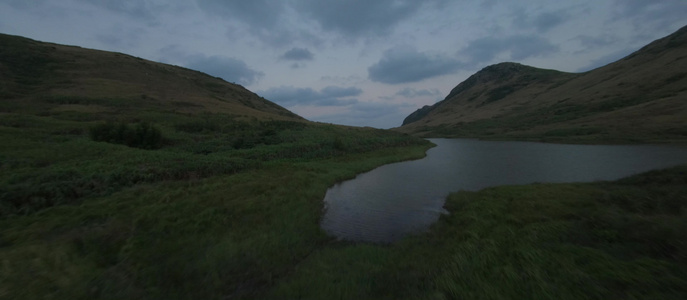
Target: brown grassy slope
{"points": [[39, 76], [642, 97]]}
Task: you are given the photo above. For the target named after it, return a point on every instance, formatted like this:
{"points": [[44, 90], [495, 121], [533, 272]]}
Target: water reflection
{"points": [[391, 201]]}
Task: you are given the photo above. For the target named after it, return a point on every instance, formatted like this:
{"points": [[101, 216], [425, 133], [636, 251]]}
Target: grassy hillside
{"points": [[640, 98], [125, 178], [223, 208], [71, 82], [109, 196]]}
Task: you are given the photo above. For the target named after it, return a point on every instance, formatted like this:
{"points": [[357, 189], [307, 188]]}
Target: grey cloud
{"points": [[122, 37], [328, 96], [595, 41], [298, 54], [549, 20], [269, 21], [257, 13], [374, 114], [371, 110], [229, 69], [339, 92], [23, 4], [359, 17], [347, 80], [519, 46], [402, 65], [649, 9], [654, 14], [541, 22], [606, 59], [412, 93], [116, 41], [264, 20], [144, 10]]}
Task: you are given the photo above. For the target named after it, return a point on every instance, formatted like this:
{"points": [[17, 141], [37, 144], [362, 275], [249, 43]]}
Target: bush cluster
{"points": [[69, 186], [142, 135]]}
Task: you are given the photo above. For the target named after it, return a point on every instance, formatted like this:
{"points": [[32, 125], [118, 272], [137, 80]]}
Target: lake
{"points": [[394, 200]]}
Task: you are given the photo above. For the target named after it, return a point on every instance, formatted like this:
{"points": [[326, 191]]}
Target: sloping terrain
{"points": [[122, 178], [51, 79], [642, 97], [227, 205], [77, 123]]}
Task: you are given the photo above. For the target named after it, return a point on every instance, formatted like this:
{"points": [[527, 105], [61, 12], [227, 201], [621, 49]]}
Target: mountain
{"points": [[48, 78], [642, 97]]}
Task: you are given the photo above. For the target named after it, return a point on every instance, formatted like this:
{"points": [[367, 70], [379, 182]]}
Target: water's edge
{"points": [[390, 201]]}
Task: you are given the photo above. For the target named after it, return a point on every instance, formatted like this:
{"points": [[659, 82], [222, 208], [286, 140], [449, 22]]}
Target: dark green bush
{"points": [[142, 135], [198, 126]]}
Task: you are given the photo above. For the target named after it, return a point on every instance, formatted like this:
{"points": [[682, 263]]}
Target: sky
{"points": [[353, 62]]}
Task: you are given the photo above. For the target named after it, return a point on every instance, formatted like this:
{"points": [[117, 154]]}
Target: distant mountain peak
{"points": [[638, 98], [502, 72]]}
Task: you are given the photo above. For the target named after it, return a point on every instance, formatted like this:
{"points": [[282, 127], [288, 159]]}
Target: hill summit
{"points": [[494, 83], [515, 101]]}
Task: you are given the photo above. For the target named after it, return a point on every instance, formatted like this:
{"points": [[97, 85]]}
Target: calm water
{"points": [[391, 201]]}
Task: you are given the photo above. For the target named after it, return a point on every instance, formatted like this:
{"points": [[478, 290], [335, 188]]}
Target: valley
{"points": [[124, 178]]}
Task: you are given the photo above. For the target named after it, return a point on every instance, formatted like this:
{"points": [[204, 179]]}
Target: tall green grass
{"points": [[199, 217], [206, 217], [620, 240], [50, 161]]}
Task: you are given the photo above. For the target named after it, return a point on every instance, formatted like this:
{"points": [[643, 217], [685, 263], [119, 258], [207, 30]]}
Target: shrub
{"points": [[198, 126], [142, 135]]}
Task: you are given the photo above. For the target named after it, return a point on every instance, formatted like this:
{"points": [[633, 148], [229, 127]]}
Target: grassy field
{"points": [[230, 210], [606, 240], [127, 179], [223, 207]]}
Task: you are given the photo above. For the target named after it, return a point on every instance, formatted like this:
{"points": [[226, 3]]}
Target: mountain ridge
{"points": [[514, 101], [45, 74], [519, 75]]}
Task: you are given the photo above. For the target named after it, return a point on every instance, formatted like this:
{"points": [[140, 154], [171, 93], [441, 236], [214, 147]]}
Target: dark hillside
{"points": [[55, 78], [514, 101]]}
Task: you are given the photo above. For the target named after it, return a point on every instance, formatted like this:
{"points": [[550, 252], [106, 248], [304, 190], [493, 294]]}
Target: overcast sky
{"points": [[354, 62]]}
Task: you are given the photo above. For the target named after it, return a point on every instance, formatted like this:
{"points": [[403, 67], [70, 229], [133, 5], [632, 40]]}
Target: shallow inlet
{"points": [[392, 201]]}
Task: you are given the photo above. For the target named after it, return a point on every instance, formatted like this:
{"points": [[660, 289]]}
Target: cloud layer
{"points": [[516, 47], [404, 65], [298, 54], [290, 96], [358, 17], [229, 69], [356, 62]]}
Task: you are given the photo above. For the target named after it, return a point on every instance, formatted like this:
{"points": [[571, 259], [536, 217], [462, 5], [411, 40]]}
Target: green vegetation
{"points": [[204, 217], [547, 124], [609, 240], [501, 92], [227, 203], [142, 135], [631, 100], [49, 160], [98, 203], [27, 66]]}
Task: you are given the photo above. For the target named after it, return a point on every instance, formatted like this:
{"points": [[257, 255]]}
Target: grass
{"points": [[227, 204], [566, 241], [200, 218], [514, 102]]}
